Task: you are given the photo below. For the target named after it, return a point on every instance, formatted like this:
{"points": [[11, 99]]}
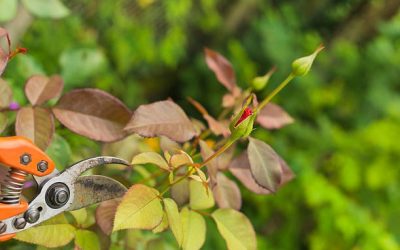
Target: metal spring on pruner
{"points": [[12, 185]]}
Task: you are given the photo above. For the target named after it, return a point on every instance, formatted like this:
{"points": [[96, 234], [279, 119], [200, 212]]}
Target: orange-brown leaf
{"points": [[93, 113], [39, 89], [37, 124]]}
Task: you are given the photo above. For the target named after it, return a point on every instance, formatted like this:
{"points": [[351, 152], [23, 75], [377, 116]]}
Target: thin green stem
{"points": [[274, 93], [217, 153]]}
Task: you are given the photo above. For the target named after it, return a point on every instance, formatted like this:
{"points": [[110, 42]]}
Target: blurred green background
{"points": [[343, 146]]}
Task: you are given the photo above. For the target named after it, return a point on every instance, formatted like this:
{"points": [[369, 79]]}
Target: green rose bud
{"points": [[302, 66], [260, 82]]}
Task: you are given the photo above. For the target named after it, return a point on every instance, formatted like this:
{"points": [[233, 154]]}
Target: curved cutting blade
{"points": [[94, 189]]}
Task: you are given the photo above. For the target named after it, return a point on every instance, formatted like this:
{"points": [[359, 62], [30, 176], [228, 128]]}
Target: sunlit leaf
{"points": [[227, 193], [105, 214], [194, 229], [222, 69], [52, 233], [140, 209], [37, 124], [86, 240], [235, 228], [8, 10], [46, 8], [79, 215], [93, 113], [180, 192], [273, 116], [174, 219], [264, 164], [39, 89], [200, 197], [180, 159], [162, 118], [162, 226], [5, 94], [150, 157]]}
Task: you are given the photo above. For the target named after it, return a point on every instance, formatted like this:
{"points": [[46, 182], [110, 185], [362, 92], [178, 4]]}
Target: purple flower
{"points": [[14, 106]]}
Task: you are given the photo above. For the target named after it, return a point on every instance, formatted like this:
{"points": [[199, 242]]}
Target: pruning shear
{"points": [[57, 191]]}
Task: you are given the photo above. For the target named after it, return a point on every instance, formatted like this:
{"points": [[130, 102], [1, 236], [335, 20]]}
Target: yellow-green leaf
{"points": [[174, 219], [180, 159], [162, 226], [80, 215], [49, 235], [150, 157], [140, 209], [194, 229], [86, 240], [200, 197], [236, 229]]}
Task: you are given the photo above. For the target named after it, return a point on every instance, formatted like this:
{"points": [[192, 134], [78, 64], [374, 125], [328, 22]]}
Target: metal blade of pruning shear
{"points": [[93, 189], [57, 194]]}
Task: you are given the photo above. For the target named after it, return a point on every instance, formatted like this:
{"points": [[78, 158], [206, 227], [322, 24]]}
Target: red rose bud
{"points": [[242, 125], [246, 113]]}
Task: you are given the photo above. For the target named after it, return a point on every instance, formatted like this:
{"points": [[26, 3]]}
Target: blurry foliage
{"points": [[343, 146]]}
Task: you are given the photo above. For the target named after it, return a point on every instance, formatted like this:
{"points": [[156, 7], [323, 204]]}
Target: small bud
{"points": [[302, 66], [260, 82]]}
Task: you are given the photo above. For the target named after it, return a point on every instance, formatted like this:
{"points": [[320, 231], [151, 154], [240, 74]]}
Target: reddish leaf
{"points": [[216, 127], [105, 214], [4, 55], [37, 124], [222, 69], [5, 94], [162, 118], [228, 100], [227, 193], [40, 89], [93, 113], [273, 116], [240, 168]]}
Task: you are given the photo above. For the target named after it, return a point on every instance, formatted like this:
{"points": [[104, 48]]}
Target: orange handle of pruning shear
{"points": [[20, 153], [22, 157]]}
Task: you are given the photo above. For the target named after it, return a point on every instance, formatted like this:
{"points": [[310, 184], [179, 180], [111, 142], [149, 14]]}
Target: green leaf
{"points": [[236, 229], [55, 232], [174, 219], [194, 229], [47, 8], [140, 209], [200, 197], [60, 151], [87, 240], [264, 164], [150, 157], [77, 65], [80, 215], [8, 10]]}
